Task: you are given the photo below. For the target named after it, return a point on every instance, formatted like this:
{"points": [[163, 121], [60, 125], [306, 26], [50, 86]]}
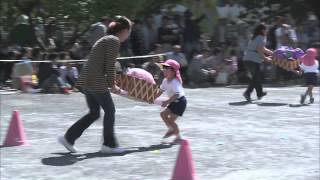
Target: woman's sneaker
{"points": [[247, 96], [107, 149], [263, 94], [62, 140], [302, 99], [311, 100]]}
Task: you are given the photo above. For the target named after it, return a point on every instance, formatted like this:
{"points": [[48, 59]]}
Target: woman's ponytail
{"points": [[119, 24]]}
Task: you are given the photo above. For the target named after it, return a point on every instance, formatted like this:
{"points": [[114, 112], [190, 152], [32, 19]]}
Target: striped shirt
{"points": [[98, 74]]}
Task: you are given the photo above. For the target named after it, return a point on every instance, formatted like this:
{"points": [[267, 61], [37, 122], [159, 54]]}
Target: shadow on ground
{"points": [[272, 104], [243, 103], [298, 105], [240, 103], [66, 159]]}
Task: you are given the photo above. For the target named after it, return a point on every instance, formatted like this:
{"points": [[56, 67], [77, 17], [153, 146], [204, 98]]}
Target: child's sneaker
{"points": [[62, 140], [302, 99], [168, 134], [177, 140], [311, 100]]}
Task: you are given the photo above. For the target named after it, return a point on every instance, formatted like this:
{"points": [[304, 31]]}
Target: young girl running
{"points": [[310, 67], [176, 104]]}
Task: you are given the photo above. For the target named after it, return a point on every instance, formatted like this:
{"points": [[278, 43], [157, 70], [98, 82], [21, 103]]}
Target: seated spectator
{"points": [[232, 59], [177, 55], [224, 72], [49, 76], [69, 74], [22, 71], [199, 73], [154, 68]]}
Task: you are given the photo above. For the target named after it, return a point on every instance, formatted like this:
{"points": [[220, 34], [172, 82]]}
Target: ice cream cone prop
{"points": [[138, 89], [287, 57], [15, 135], [184, 169]]}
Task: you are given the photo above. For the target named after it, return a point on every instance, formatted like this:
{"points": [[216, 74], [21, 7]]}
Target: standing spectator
{"points": [[286, 35], [312, 29], [6, 67], [271, 37], [150, 33], [98, 30], [191, 33], [137, 41], [168, 33], [54, 32], [79, 50], [21, 33]]}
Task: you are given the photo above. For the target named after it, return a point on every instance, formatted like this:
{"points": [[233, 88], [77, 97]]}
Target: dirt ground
{"points": [[275, 138]]}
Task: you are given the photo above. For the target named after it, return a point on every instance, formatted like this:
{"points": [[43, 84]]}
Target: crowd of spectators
{"points": [[207, 57]]}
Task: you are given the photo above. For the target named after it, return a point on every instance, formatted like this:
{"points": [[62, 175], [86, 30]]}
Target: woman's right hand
{"points": [[268, 59], [115, 89]]}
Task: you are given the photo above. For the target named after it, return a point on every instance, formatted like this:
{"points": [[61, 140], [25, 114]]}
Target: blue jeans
{"points": [[95, 100]]}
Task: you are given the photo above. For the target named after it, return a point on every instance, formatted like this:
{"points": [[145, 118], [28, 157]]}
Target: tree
{"points": [[79, 13]]}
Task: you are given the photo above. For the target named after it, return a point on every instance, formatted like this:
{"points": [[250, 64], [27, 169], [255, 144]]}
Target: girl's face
{"points": [[168, 72]]}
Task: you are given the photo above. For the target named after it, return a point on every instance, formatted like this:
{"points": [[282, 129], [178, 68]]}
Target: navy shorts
{"points": [[310, 78], [178, 106]]}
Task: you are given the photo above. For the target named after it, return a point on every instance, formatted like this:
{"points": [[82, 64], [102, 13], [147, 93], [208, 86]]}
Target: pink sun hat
{"points": [[174, 65]]}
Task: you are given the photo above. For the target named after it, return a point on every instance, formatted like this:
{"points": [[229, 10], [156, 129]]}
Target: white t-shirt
{"points": [[172, 87], [280, 31], [72, 73], [310, 69]]}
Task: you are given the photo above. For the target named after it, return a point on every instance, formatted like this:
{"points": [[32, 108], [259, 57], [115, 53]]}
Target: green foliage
{"points": [[78, 13]]}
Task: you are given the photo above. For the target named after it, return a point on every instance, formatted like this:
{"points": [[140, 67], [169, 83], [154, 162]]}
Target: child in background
{"points": [[309, 66], [176, 104]]}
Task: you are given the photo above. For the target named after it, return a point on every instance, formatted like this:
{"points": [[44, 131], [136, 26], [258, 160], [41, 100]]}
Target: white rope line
{"points": [[83, 60]]}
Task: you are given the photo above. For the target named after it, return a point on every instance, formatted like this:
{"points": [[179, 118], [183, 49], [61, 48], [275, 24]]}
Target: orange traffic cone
{"points": [[184, 169], [15, 135]]}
